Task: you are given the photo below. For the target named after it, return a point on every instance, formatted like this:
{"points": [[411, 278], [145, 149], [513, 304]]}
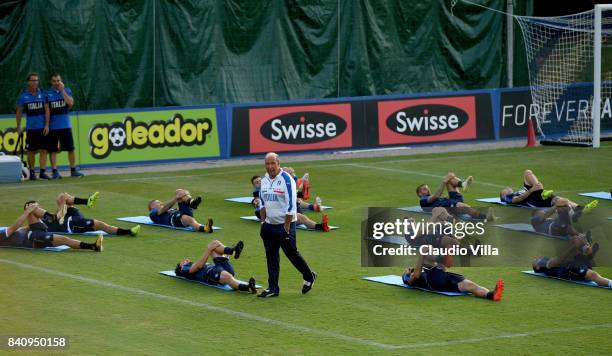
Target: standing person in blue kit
{"points": [[32, 102], [60, 101], [278, 211]]}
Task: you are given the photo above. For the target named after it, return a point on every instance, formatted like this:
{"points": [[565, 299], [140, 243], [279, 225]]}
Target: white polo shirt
{"points": [[279, 197]]}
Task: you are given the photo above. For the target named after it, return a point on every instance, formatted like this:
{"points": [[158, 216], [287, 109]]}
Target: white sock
{"points": [[609, 283]]}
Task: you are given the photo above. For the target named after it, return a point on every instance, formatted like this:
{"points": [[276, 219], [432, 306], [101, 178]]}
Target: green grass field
{"points": [[116, 302]]}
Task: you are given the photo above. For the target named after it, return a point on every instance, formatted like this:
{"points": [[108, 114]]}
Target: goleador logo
{"points": [[105, 138]]}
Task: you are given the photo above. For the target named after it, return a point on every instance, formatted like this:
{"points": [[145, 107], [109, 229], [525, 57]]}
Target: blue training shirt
{"points": [[60, 118], [34, 109]]}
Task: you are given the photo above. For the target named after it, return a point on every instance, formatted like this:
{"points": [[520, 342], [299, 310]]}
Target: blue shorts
{"points": [[442, 281], [450, 202], [60, 140], [574, 272], [35, 140], [212, 272]]}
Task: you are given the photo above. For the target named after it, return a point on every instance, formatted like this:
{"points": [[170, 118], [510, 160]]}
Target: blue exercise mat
{"points": [[248, 200], [88, 233], [529, 229], [598, 195], [60, 248], [300, 226], [244, 200], [145, 220], [395, 240], [584, 283], [499, 202], [397, 281], [418, 209], [224, 287]]}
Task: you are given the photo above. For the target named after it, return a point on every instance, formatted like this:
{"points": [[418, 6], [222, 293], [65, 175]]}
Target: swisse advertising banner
{"points": [[131, 136], [427, 120], [292, 128]]}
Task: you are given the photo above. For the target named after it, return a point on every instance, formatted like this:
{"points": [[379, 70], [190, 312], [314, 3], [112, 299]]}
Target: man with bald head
{"points": [[278, 212]]}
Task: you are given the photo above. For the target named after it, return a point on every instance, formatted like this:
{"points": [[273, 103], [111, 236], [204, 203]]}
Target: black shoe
{"points": [[194, 203], [588, 237], [252, 286], [267, 294], [594, 249], [308, 285], [577, 213], [238, 249]]}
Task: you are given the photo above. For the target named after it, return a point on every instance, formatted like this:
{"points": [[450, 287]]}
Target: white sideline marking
{"points": [[306, 329], [418, 173], [502, 336], [27, 186], [234, 313]]}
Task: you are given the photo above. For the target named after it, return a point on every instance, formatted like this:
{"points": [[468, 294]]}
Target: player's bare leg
{"points": [[187, 220]]}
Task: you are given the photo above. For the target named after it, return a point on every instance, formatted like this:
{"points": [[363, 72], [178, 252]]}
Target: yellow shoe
{"points": [[135, 230], [91, 201], [98, 247]]}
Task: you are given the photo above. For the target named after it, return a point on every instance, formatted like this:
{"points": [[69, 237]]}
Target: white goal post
{"points": [[570, 61]]}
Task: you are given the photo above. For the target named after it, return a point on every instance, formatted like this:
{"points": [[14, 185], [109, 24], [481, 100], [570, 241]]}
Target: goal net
{"points": [[570, 75]]}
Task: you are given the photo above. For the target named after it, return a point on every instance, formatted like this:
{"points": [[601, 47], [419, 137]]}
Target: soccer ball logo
{"points": [[117, 136]]}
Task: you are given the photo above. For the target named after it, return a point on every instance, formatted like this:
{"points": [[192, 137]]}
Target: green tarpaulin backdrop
{"points": [[150, 53]]}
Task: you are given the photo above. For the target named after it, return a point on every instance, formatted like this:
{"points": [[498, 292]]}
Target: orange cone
{"points": [[531, 139]]}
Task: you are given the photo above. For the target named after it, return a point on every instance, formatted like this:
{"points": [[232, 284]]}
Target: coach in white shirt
{"points": [[278, 212]]}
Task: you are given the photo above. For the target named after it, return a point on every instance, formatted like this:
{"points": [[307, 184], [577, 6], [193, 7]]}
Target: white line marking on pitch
{"points": [[138, 179], [306, 329], [503, 336], [234, 313], [417, 173]]}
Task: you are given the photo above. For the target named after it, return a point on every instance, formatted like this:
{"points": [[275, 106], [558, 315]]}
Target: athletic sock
{"points": [[460, 183], [87, 246], [72, 169], [42, 171], [319, 227], [32, 172], [121, 231], [243, 287], [202, 228], [490, 295], [228, 250], [610, 283], [80, 201]]}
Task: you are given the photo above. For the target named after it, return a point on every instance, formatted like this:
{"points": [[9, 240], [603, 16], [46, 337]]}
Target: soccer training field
{"points": [[116, 302]]}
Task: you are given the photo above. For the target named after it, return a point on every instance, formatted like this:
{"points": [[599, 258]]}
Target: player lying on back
{"points": [[69, 218], [302, 184], [436, 238], [575, 265], [164, 214], [36, 234], [557, 220], [428, 274], [220, 271], [451, 183], [534, 195]]}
